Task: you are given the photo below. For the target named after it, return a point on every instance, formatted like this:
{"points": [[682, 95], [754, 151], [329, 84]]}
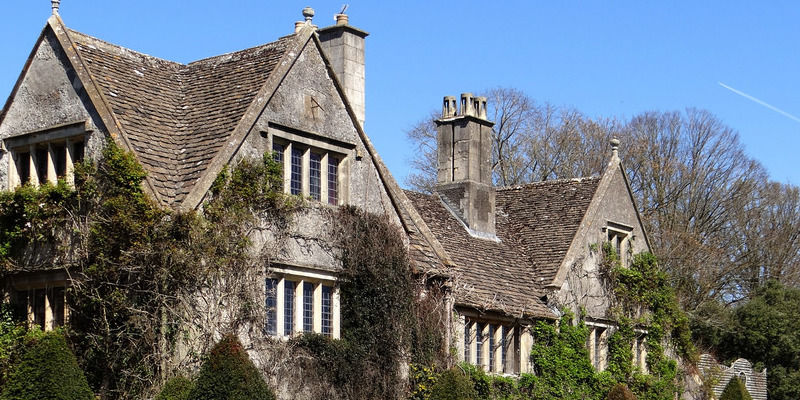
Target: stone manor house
{"points": [[511, 255]]}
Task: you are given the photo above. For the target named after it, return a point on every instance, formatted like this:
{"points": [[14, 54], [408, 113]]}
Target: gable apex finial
{"points": [[308, 14], [615, 148], [55, 4]]}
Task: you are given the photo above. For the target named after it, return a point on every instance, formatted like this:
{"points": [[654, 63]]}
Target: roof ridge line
{"points": [[207, 59], [547, 182], [127, 49]]}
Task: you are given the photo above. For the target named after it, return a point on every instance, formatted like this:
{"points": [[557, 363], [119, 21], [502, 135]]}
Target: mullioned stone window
{"points": [[45, 156], [40, 299], [619, 236], [299, 302], [313, 167], [492, 346]]}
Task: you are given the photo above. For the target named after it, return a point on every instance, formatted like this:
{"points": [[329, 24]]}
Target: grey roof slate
{"points": [[536, 224], [544, 217], [177, 116]]}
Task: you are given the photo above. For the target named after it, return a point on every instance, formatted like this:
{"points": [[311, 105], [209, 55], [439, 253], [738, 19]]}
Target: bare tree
{"points": [[422, 137], [715, 221], [530, 142]]}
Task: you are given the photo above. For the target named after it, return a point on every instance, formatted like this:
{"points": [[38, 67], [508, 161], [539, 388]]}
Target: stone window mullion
{"points": [[69, 170], [32, 167], [323, 178], [298, 306], [335, 312], [306, 168], [317, 309], [52, 177], [279, 306]]}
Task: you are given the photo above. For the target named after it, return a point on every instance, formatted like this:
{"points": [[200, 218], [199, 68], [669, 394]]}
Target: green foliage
{"points": [[735, 390], [766, 331], [378, 322], [422, 380], [562, 367], [251, 189], [46, 369], [12, 335], [228, 374], [480, 381], [453, 384], [505, 388], [644, 299], [133, 260], [177, 388], [620, 391], [31, 215]]}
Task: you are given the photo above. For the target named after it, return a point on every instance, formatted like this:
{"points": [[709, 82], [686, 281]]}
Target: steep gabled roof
{"points": [[544, 218], [176, 117], [535, 225]]}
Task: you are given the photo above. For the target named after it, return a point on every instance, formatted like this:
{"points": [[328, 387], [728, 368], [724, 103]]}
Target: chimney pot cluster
{"points": [[470, 105]]}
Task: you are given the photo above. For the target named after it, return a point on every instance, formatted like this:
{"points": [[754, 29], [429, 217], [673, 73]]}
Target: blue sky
{"points": [[609, 58]]}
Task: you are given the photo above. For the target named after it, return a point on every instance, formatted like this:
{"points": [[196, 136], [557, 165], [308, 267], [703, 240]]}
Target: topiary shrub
{"points": [[736, 390], [228, 374], [453, 384], [177, 388], [620, 391], [46, 369]]}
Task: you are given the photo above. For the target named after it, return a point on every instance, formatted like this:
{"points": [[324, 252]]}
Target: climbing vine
{"points": [[644, 299], [142, 275], [642, 303], [382, 322]]}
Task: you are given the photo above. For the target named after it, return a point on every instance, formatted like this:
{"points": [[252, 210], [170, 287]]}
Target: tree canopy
{"points": [[718, 225]]}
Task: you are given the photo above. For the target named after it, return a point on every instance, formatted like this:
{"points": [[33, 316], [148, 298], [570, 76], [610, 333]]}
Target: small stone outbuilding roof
{"points": [[535, 225], [177, 116], [754, 381]]}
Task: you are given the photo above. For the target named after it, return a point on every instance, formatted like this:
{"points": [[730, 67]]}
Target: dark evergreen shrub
{"points": [[177, 388], [453, 384], [735, 390], [228, 374], [46, 369], [620, 391]]}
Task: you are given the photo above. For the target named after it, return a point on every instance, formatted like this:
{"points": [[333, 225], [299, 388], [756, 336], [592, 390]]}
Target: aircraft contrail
{"points": [[747, 96]]}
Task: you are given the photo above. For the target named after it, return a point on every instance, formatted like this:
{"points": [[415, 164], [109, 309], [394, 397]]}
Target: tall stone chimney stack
{"points": [[344, 47], [464, 176]]}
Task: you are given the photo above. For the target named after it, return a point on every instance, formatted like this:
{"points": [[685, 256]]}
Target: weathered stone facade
{"points": [[510, 256]]}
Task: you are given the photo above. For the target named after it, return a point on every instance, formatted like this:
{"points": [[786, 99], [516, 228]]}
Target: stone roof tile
{"points": [[176, 116], [544, 217], [535, 226]]}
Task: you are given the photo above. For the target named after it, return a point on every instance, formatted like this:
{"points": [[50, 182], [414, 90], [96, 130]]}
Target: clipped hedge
{"points": [[735, 390], [620, 391], [46, 369], [177, 388], [228, 374], [453, 384]]}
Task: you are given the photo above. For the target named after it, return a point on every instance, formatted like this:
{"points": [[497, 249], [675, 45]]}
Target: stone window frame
{"points": [[639, 350], [300, 277], [597, 343], [619, 235], [331, 152], [70, 137], [502, 347], [24, 289]]}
